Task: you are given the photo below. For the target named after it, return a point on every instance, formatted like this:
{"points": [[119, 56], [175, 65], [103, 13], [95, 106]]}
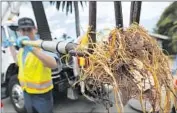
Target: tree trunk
{"points": [[92, 22], [118, 14], [41, 20], [135, 12], [77, 21]]}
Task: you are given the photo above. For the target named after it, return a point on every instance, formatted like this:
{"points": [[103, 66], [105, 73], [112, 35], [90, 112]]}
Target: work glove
{"points": [[19, 43], [6, 43], [28, 48]]}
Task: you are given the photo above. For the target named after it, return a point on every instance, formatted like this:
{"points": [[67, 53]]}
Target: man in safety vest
{"points": [[34, 69]]}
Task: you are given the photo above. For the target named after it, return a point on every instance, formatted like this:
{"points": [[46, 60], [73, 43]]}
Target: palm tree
{"points": [[118, 14], [135, 11], [77, 21], [69, 8], [41, 20]]}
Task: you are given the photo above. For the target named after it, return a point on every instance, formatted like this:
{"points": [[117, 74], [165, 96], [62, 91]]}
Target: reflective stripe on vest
{"points": [[39, 86], [36, 86]]}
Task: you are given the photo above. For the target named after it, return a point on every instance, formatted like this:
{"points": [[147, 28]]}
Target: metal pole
{"points": [[118, 14], [92, 23], [135, 11]]}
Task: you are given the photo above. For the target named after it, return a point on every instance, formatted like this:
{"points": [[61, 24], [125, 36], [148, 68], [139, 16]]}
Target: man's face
{"points": [[30, 32]]}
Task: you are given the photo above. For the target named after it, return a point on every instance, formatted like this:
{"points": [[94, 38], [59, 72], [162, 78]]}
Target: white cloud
{"points": [[59, 22], [153, 9], [105, 10], [26, 11], [151, 12], [105, 26], [83, 12], [68, 21], [54, 22], [4, 5], [50, 11], [58, 32], [126, 13]]}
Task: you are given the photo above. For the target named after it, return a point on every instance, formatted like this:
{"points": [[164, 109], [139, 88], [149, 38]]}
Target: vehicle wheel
{"points": [[16, 94]]}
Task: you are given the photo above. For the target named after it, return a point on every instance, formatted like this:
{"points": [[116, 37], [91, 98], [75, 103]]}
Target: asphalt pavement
{"points": [[64, 105]]}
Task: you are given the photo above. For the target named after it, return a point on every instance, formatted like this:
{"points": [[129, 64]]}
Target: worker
{"points": [[34, 69]]}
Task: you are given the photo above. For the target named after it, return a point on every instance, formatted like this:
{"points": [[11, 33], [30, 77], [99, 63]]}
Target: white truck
{"points": [[63, 76]]}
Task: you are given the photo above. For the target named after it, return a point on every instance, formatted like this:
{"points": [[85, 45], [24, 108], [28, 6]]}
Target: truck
{"points": [[63, 76]]}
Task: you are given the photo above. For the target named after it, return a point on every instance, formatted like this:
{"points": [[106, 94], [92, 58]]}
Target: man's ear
{"points": [[36, 30]]}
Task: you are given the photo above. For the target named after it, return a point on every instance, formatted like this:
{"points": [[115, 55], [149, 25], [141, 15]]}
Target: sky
{"points": [[60, 23]]}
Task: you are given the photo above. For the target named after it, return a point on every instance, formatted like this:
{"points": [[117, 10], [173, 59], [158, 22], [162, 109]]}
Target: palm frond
{"points": [[58, 5], [172, 30], [85, 3], [81, 3], [52, 2], [71, 5], [68, 5], [63, 5], [172, 7]]}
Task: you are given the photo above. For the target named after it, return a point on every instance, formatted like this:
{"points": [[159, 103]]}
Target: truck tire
{"points": [[16, 94]]}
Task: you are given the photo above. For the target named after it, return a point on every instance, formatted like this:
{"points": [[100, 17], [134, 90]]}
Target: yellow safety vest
{"points": [[33, 76]]}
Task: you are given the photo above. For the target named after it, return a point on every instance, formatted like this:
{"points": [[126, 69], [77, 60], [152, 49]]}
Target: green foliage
{"points": [[167, 25]]}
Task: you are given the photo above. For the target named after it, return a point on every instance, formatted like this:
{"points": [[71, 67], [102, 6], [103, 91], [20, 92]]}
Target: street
{"points": [[64, 105]]}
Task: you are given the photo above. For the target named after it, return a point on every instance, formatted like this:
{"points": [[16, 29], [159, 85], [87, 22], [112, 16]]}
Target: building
{"points": [[159, 38]]}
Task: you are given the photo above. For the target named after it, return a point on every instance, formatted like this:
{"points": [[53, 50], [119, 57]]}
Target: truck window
{"points": [[12, 34], [3, 35]]}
